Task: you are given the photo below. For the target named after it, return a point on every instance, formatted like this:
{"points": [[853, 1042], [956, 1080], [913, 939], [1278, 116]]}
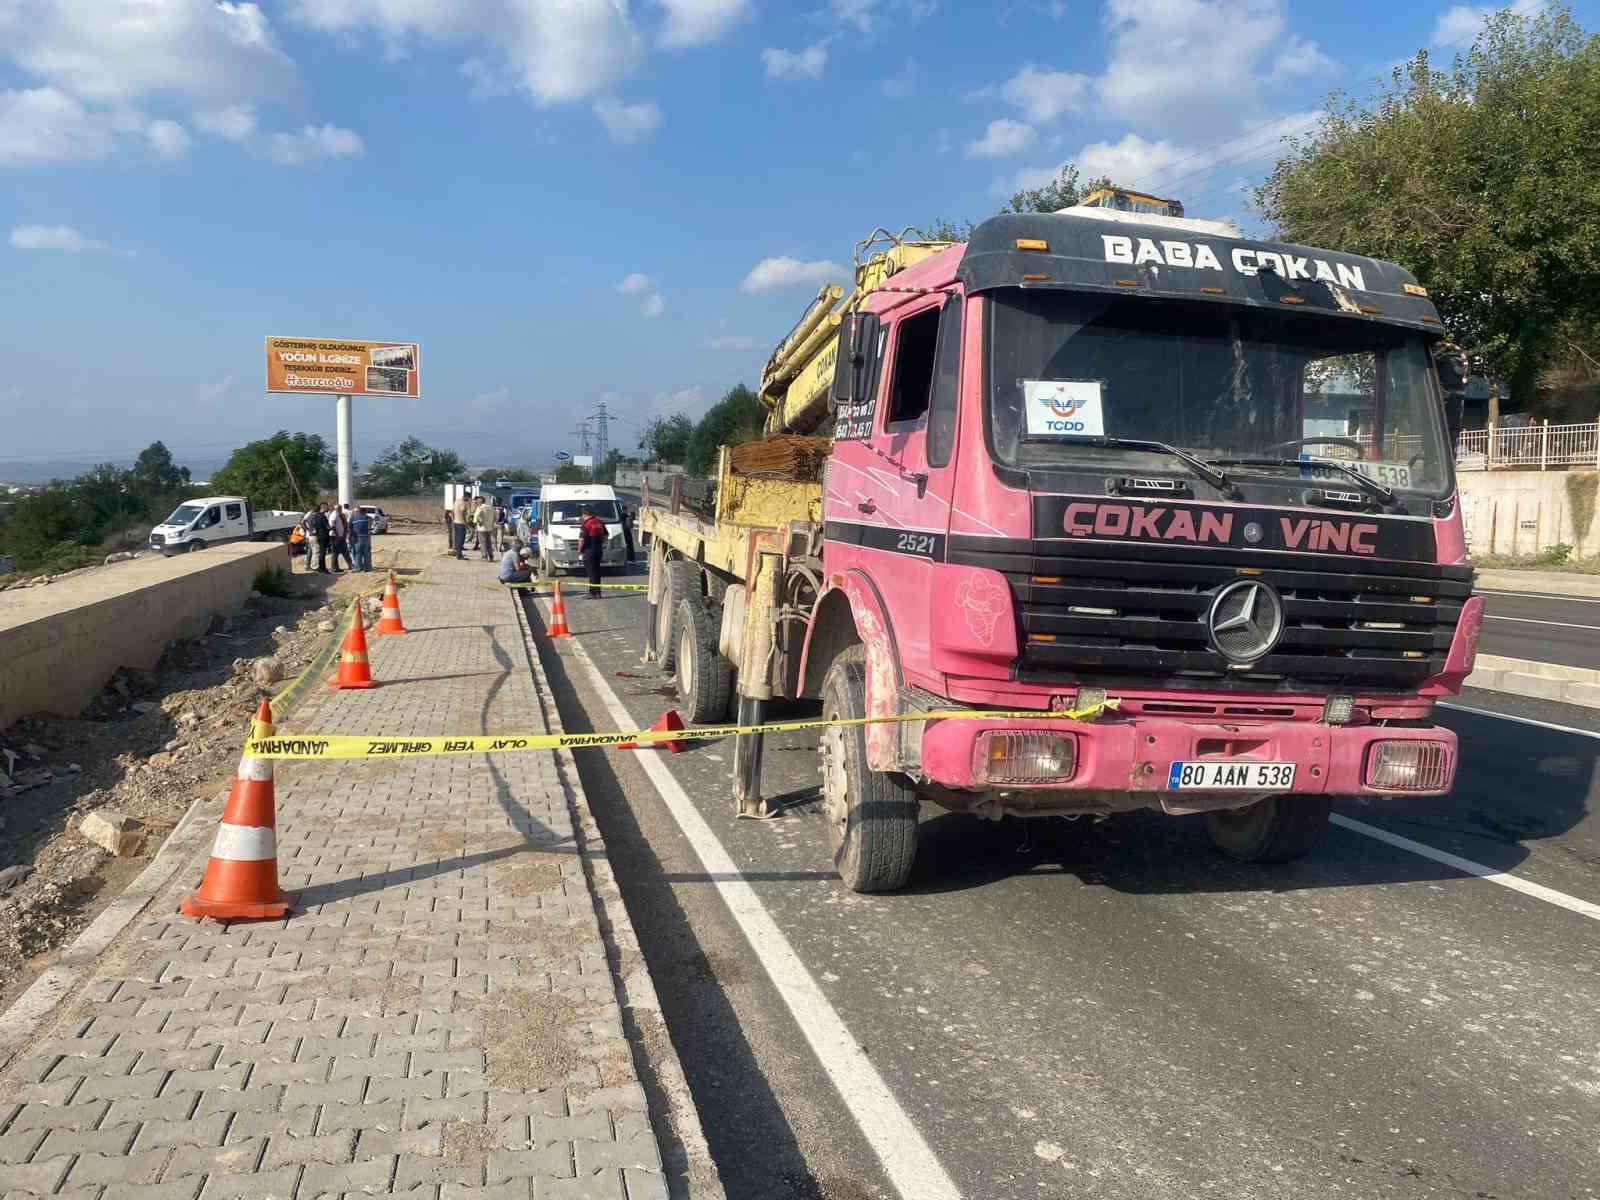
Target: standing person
{"points": [[591, 545], [361, 539], [486, 528], [627, 531], [458, 524], [449, 530], [297, 546], [339, 535], [322, 532]]}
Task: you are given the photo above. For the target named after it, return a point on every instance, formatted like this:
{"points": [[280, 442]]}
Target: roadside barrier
{"points": [[389, 622], [547, 584], [558, 618], [241, 879], [337, 746]]}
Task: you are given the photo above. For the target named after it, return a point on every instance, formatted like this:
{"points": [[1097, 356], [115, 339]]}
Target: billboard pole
{"points": [[342, 417]]}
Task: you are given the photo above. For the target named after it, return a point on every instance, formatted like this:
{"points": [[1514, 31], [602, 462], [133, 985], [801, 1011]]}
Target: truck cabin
{"points": [[1129, 201]]}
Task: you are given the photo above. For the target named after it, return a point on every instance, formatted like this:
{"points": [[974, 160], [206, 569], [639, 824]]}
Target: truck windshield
{"points": [[184, 513], [571, 512], [1220, 383]]}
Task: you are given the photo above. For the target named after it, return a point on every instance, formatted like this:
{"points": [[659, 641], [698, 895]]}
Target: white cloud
{"points": [[697, 22], [209, 393], [1133, 158], [313, 142], [1461, 23], [59, 239], [793, 64], [120, 51], [627, 123], [651, 303], [729, 341], [685, 400], [492, 399], [857, 14], [168, 139], [41, 126], [902, 85], [1045, 95], [1002, 139], [1168, 69], [234, 122], [771, 274], [557, 50]]}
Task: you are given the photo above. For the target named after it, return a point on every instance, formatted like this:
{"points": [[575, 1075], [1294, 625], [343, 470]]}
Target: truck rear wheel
{"points": [[680, 581], [705, 678], [1275, 830], [871, 815]]}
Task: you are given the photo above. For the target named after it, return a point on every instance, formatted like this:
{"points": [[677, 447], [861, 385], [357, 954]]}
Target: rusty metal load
{"points": [[783, 456]]}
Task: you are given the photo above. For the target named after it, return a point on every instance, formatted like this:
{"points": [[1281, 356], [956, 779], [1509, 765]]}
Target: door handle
{"points": [[867, 506]]}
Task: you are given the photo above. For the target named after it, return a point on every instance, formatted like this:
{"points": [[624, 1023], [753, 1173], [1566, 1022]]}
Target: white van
{"points": [[214, 520], [560, 509]]}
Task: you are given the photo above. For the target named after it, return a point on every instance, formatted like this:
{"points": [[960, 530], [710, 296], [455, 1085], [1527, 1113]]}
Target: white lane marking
{"points": [[1538, 596], [1536, 621], [1465, 865], [1489, 712], [908, 1160]]}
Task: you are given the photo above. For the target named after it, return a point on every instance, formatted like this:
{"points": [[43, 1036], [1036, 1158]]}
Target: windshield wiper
{"points": [[1369, 485], [1207, 471]]}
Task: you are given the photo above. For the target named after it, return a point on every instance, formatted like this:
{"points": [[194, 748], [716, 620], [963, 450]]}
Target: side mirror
{"points": [[850, 357]]}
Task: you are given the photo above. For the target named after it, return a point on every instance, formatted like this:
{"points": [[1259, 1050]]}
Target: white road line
{"points": [[1489, 712], [1465, 865], [1536, 621], [908, 1160], [1538, 596]]}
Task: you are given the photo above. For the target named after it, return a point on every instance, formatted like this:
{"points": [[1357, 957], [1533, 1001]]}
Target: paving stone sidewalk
{"points": [[436, 1020]]}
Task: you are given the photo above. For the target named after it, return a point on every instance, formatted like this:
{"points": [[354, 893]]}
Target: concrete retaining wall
{"points": [[60, 644], [1520, 512], [1540, 680]]}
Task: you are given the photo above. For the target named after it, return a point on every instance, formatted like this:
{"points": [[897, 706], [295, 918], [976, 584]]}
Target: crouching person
{"points": [[515, 566]]}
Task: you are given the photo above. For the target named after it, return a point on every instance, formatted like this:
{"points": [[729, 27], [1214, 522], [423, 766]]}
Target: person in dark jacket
{"points": [[591, 545], [627, 531], [323, 533], [361, 540]]}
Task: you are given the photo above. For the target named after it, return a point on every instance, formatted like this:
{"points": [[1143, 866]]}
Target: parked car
{"points": [[380, 519]]}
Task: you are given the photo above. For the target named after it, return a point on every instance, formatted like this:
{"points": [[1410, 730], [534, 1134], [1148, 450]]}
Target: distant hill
{"points": [[12, 471]]}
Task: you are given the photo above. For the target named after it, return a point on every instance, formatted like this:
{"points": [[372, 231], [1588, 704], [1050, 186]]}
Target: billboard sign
{"points": [[583, 460], [343, 368], [563, 456]]}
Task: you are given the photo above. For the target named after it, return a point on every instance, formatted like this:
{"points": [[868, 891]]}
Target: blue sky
{"points": [[564, 200]]}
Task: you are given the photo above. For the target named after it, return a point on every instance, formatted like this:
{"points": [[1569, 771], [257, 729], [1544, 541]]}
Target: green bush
{"points": [[1555, 556], [271, 581]]}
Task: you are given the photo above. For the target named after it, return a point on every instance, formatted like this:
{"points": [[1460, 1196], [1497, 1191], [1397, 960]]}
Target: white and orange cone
{"points": [[241, 879], [558, 616], [389, 621], [355, 670]]}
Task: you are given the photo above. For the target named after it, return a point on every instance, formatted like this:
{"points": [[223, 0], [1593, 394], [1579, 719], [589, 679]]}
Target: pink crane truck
{"points": [[1087, 456]]}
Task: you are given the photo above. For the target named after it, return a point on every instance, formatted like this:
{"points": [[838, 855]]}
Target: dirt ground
{"points": [[149, 745]]}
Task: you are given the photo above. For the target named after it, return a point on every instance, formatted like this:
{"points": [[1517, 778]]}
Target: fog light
{"points": [[1408, 766], [1003, 756], [1338, 710]]}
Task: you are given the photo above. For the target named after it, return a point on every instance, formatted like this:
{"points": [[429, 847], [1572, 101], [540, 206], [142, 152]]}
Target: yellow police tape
{"points": [[311, 745]]}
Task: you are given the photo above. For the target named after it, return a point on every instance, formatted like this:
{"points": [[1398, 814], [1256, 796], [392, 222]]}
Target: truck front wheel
{"points": [[196, 546], [871, 815], [1275, 830]]}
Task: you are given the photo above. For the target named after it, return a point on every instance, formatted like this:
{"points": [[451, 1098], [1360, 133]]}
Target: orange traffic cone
{"points": [[389, 621], [669, 720], [242, 877], [558, 616], [354, 670]]}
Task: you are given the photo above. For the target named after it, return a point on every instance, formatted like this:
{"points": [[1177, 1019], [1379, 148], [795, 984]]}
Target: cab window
{"points": [[235, 511], [916, 344]]}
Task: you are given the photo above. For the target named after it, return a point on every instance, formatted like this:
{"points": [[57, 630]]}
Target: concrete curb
{"points": [[1536, 680], [636, 991]]}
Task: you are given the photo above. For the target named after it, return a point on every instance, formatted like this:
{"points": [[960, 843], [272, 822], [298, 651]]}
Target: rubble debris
{"points": [[115, 832]]}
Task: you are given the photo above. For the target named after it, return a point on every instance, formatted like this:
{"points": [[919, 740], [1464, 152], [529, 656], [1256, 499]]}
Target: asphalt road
{"points": [[1112, 1010], [1548, 628]]}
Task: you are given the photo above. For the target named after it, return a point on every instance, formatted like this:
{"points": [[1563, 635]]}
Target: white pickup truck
{"points": [[212, 520]]}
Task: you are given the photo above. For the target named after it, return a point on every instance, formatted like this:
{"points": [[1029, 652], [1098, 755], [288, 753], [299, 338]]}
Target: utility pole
{"points": [[602, 447], [583, 436]]}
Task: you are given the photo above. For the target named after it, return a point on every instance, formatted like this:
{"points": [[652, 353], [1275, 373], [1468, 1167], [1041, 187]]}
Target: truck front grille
{"points": [[1091, 617]]}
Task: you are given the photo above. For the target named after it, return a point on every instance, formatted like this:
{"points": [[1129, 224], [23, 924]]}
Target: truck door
{"points": [[233, 522], [910, 492]]}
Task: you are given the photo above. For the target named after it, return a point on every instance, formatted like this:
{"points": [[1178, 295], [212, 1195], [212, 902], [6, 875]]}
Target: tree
{"points": [[513, 474], [942, 230], [666, 439], [154, 473], [606, 472], [400, 470], [1063, 191], [738, 417], [1481, 180], [256, 471], [572, 473]]}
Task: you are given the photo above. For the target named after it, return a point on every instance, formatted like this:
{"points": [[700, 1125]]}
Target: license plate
{"points": [[1230, 774]]}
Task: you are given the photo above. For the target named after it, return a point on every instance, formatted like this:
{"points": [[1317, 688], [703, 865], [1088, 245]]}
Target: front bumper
{"points": [[1133, 755]]}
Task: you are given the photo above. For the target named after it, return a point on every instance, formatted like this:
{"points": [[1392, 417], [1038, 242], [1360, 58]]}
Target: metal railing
{"points": [[1543, 446]]}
